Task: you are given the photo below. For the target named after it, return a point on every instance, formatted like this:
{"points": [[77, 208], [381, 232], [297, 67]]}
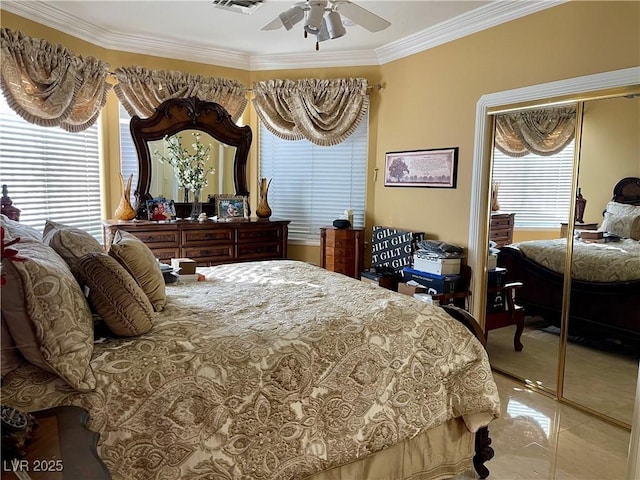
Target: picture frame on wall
{"points": [[231, 207], [433, 168]]}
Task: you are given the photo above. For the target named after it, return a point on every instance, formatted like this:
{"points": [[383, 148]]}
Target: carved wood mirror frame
{"points": [[178, 114]]}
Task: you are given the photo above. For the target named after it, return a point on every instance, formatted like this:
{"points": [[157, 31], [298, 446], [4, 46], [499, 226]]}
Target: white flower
{"points": [[190, 167]]}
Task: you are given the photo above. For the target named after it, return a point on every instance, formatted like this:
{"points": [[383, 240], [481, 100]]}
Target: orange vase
{"points": [[125, 211]]}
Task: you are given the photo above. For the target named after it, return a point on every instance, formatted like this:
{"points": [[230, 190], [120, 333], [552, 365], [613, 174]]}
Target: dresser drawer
{"points": [[332, 262], [502, 221], [256, 235], [500, 235], [151, 237], [341, 252], [259, 251], [219, 235], [209, 254]]}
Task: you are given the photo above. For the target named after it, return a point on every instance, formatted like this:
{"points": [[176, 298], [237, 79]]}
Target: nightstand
{"points": [[501, 228], [61, 448], [564, 226], [342, 250]]}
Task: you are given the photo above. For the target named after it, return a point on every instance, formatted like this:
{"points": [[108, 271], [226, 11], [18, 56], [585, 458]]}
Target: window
{"points": [[312, 185], [536, 188], [128, 155], [51, 173]]}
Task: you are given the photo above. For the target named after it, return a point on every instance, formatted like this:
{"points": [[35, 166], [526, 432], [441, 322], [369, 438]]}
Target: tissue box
{"points": [[187, 266], [492, 261], [410, 290], [437, 266]]}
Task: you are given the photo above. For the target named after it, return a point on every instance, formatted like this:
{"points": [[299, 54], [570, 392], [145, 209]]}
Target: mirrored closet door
{"points": [[580, 339]]}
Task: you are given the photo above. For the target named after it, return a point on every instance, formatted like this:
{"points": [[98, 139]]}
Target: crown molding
{"points": [[479, 19], [482, 18]]}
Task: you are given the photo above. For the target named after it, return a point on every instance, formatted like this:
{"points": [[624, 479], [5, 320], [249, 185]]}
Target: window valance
{"points": [[542, 131], [141, 90], [325, 112], [48, 85]]}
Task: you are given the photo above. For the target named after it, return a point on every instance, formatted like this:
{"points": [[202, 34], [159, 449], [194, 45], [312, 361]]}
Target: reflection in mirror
{"points": [[601, 361], [220, 180], [603, 341]]}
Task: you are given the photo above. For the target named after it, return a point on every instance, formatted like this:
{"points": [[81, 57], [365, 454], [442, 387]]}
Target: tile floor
{"points": [[540, 438]]}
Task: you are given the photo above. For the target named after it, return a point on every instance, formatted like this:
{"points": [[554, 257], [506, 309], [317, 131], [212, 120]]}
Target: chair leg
{"points": [[517, 344]]}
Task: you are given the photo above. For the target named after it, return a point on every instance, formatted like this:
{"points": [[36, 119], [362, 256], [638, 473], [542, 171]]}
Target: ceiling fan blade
{"points": [[274, 24], [361, 16], [286, 19]]}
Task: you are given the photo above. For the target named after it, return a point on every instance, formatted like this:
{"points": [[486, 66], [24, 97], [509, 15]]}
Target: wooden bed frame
{"points": [[596, 308], [482, 444]]}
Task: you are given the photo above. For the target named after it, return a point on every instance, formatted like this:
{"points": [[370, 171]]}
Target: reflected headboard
{"points": [[627, 191]]}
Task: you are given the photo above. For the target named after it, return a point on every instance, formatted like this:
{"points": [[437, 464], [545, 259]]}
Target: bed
{"points": [[265, 370], [605, 284]]}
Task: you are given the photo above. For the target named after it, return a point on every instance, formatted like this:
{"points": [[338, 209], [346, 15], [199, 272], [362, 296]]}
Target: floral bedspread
{"points": [[272, 370], [592, 262]]}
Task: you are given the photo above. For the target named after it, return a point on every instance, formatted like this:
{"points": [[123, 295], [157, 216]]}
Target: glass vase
{"points": [[196, 204]]}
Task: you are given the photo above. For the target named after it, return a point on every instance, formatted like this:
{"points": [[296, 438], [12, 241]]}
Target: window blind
{"points": [[313, 185], [128, 155], [536, 188], [51, 173]]}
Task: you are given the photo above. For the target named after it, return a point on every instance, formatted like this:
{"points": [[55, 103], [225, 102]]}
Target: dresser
{"points": [[342, 250], [501, 228], [208, 243]]}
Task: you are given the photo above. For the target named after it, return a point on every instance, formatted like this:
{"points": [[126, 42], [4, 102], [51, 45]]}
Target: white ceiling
{"points": [[197, 31]]}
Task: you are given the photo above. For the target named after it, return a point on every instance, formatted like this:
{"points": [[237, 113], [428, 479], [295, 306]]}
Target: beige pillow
{"points": [[139, 261], [115, 295], [47, 315], [69, 242], [13, 229]]}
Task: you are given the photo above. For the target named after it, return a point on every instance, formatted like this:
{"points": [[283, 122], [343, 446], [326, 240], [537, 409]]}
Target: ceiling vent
{"points": [[239, 6]]}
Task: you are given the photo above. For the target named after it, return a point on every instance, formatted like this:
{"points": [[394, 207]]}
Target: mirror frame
{"points": [[175, 115]]}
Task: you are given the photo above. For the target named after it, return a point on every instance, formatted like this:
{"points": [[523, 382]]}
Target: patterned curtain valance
{"points": [[543, 131], [325, 112], [141, 90], [48, 85]]}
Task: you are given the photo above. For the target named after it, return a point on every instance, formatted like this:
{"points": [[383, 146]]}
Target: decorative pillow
{"points": [[47, 315], [139, 261], [622, 219], [10, 357], [13, 229], [69, 242], [115, 295]]}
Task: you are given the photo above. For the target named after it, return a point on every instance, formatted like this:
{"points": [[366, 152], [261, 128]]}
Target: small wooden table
{"points": [[564, 226], [61, 448]]}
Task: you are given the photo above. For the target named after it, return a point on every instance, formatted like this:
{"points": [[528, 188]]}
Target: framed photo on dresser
{"points": [[231, 207]]}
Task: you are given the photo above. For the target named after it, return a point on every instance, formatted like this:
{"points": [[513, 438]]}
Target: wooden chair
{"points": [[512, 315]]}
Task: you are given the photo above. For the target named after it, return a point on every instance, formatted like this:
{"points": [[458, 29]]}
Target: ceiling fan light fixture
{"points": [[291, 16], [314, 19], [334, 25]]}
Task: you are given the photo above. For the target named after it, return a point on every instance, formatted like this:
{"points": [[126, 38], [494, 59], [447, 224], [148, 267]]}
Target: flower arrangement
{"points": [[190, 167]]}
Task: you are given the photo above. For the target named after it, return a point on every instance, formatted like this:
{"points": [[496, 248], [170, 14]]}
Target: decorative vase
{"points": [[196, 204], [495, 206], [125, 211], [264, 210], [581, 203]]}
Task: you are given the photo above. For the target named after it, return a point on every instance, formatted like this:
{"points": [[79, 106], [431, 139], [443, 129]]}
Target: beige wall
{"points": [[429, 99]]}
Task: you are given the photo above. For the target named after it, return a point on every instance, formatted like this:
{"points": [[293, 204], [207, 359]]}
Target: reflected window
{"points": [[128, 155], [517, 409], [537, 187]]}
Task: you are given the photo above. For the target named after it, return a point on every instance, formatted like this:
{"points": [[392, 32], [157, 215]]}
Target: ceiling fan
{"points": [[323, 18]]}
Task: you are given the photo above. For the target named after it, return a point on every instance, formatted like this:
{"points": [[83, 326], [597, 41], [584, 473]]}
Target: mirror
{"points": [[591, 361], [163, 179], [601, 358], [180, 116]]}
